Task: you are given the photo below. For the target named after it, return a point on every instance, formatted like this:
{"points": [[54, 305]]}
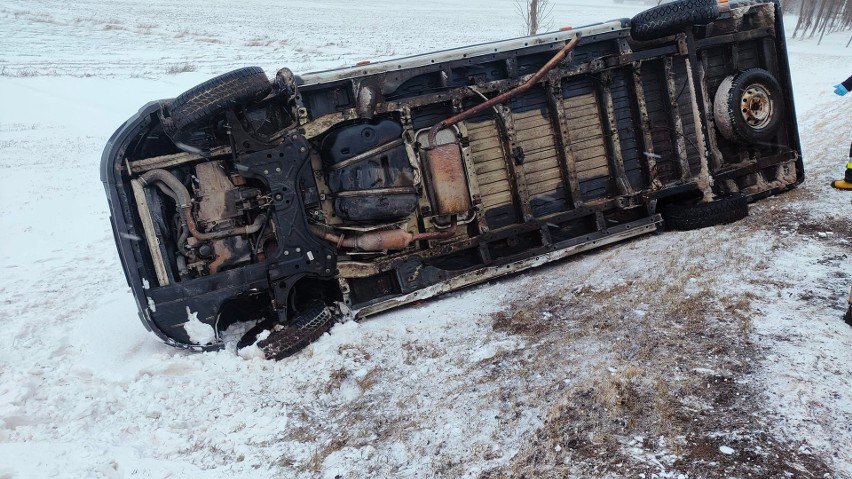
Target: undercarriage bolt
{"points": [[279, 197], [205, 251]]}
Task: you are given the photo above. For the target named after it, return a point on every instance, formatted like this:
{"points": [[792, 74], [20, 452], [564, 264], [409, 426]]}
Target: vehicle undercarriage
{"points": [[292, 203]]}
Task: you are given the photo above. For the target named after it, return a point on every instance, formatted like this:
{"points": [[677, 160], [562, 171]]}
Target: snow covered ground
{"points": [[577, 369]]}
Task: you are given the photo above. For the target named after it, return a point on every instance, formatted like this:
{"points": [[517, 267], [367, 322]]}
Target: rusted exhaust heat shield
{"points": [[444, 162], [379, 240], [449, 192]]}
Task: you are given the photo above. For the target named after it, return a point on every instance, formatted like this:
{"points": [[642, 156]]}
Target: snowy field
{"points": [[718, 353]]}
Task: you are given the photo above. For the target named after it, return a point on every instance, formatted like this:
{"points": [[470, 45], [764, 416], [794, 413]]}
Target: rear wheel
{"points": [[670, 18], [693, 215]]}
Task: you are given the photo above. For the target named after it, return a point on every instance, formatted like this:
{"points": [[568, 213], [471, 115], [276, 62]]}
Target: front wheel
{"points": [[236, 88], [280, 341]]}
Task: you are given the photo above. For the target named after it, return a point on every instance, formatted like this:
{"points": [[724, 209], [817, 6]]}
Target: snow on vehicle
{"points": [[293, 202]]}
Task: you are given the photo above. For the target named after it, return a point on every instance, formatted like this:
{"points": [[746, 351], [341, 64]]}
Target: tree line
{"points": [[820, 16]]}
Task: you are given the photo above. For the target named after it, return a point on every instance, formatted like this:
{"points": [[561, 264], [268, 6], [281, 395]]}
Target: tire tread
{"points": [[306, 328], [685, 217], [217, 94], [669, 18]]}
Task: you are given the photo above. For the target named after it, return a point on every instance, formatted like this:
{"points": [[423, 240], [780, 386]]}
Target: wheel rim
{"points": [[756, 106]]}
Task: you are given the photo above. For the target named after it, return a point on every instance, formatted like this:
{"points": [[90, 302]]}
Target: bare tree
{"points": [[791, 6], [535, 13], [823, 16]]}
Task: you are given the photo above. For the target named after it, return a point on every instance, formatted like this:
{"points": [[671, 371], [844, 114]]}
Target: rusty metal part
{"points": [[321, 124], [402, 190], [757, 106], [448, 180], [647, 137], [367, 154], [380, 240], [222, 253], [614, 138], [680, 138], [229, 252], [185, 205], [215, 197], [165, 161], [550, 65], [242, 230]]}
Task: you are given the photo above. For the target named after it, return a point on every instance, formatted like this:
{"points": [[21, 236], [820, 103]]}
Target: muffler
{"points": [[444, 164], [448, 190]]}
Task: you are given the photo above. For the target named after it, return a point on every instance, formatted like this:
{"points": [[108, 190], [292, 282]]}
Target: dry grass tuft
{"points": [[263, 41], [185, 67], [22, 73], [368, 380], [336, 378], [319, 455]]}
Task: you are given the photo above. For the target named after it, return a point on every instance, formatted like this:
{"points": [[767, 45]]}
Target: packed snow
{"points": [[434, 389]]}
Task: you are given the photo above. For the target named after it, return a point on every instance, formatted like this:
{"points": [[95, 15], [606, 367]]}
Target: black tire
{"points": [[694, 215], [748, 107], [216, 95], [670, 18], [250, 336], [847, 318], [305, 328]]}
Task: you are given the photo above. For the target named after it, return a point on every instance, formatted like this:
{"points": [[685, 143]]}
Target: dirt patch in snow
{"points": [[665, 390]]}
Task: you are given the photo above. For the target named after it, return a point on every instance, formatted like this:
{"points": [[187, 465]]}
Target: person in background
{"points": [[846, 183], [842, 89]]}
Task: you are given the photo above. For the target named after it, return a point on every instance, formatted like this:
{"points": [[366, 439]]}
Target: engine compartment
{"points": [[204, 219]]}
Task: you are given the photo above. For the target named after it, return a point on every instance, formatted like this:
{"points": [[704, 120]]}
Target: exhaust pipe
{"points": [[502, 98], [449, 190], [379, 240]]}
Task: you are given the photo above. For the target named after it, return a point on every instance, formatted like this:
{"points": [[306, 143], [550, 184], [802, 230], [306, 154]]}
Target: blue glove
{"points": [[840, 90]]}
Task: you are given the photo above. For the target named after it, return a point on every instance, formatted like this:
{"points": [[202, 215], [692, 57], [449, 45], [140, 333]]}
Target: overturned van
{"points": [[294, 202]]}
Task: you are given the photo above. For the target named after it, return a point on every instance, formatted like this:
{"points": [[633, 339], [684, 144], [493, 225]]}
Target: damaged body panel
{"points": [[352, 191]]}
